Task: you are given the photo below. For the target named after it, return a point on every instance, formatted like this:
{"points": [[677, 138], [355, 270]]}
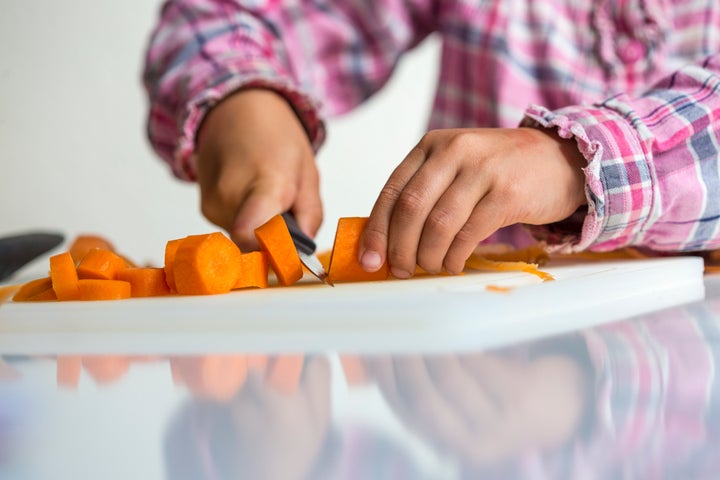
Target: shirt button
{"points": [[632, 51]]}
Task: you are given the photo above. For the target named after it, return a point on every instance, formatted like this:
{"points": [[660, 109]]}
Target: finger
{"points": [[264, 200], [487, 217], [411, 210], [308, 208], [445, 220], [373, 243], [221, 192]]}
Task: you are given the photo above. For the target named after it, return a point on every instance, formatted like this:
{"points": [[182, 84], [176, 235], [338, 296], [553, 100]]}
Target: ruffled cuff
{"points": [[617, 187], [227, 82]]}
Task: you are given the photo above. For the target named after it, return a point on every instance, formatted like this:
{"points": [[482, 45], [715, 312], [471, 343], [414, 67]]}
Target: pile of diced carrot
{"points": [[211, 264], [195, 265]]}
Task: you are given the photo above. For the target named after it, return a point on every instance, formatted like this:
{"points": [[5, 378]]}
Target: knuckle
{"points": [[439, 221], [409, 203]]}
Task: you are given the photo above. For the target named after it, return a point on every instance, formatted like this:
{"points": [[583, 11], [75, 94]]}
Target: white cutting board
{"points": [[423, 314]]}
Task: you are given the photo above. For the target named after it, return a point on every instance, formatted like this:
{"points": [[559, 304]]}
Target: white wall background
{"points": [[72, 144]]}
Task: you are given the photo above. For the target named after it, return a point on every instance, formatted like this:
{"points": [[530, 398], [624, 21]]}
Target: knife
{"points": [[306, 249], [17, 250]]}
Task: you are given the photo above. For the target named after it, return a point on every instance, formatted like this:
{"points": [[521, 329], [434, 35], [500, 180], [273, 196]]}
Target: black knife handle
{"points": [[302, 242], [17, 250]]}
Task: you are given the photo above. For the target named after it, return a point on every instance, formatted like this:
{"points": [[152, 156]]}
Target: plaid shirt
{"points": [[635, 82]]}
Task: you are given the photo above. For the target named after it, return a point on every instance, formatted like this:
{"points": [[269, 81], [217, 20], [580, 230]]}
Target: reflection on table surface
{"points": [[634, 399]]}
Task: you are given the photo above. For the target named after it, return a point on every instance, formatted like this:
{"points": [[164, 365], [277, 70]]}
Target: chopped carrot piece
{"points": [[106, 368], [100, 265], [253, 270], [354, 370], [274, 238], [64, 276], [324, 258], [145, 282], [285, 372], [477, 262], [69, 368], [257, 362], [36, 291], [206, 264], [498, 288], [8, 291], [94, 289], [218, 377], [344, 263], [170, 251], [84, 243]]}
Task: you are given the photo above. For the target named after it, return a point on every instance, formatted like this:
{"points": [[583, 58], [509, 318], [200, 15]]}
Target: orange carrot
{"points": [[64, 276], [36, 291], [274, 238], [8, 291], [106, 368], [344, 263], [324, 258], [354, 370], [69, 368], [145, 282], [94, 289], [206, 264], [84, 243], [285, 372], [253, 270], [170, 251], [100, 264], [498, 288]]}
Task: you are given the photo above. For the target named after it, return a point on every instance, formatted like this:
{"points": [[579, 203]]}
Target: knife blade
{"points": [[306, 249], [18, 250]]}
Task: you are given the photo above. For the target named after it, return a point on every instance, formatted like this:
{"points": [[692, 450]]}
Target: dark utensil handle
{"points": [[302, 242]]}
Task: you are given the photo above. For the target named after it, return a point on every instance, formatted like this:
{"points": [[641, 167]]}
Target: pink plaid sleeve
{"points": [[323, 57], [652, 174]]}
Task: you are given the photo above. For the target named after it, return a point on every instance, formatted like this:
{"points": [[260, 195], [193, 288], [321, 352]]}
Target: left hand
{"points": [[457, 187]]}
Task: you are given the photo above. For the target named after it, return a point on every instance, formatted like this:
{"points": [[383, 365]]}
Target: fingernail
{"points": [[371, 261], [399, 273]]}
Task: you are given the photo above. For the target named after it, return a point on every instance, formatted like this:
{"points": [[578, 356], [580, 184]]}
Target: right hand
{"points": [[254, 160]]}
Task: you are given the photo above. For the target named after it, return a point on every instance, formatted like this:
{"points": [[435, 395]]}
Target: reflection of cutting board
{"points": [[428, 314]]}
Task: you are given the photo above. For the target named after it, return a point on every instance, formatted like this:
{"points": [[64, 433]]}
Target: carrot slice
{"points": [[170, 251], [106, 368], [145, 282], [84, 243], [253, 270], [69, 368], [94, 289], [285, 372], [476, 262], [354, 370], [8, 291], [100, 264], [206, 264], [35, 291], [274, 238], [344, 263], [64, 276]]}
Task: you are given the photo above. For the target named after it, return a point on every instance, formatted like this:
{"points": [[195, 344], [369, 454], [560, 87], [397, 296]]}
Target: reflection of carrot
{"points": [[344, 263], [93, 289], [64, 276], [206, 264], [285, 372], [68, 370], [274, 238], [84, 243], [354, 370], [257, 362], [101, 265], [106, 368], [219, 377], [35, 291], [145, 282], [170, 251], [253, 270]]}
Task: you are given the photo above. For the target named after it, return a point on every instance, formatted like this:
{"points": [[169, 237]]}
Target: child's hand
{"points": [[457, 187], [255, 161]]}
